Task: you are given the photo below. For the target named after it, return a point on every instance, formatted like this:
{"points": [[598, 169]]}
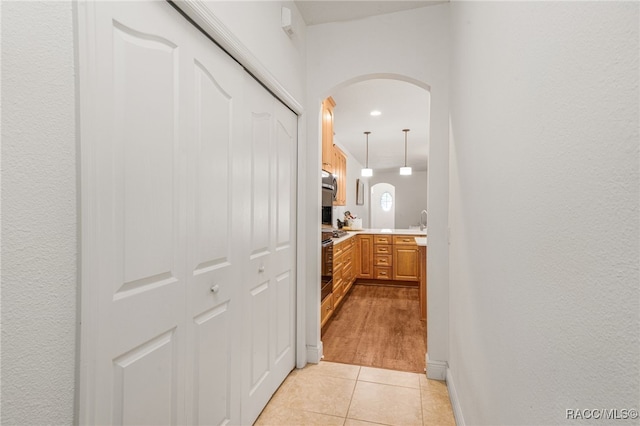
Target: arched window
{"points": [[386, 201]]}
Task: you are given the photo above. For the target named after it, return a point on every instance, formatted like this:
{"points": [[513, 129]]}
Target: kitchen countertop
{"points": [[415, 232], [421, 241]]}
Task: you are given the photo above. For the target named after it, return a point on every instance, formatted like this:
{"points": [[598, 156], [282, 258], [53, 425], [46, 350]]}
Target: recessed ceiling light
{"points": [[375, 113]]}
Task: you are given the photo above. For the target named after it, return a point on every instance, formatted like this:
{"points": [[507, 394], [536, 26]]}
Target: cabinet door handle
{"points": [[215, 288]]}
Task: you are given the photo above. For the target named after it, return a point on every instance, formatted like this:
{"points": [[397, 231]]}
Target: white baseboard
{"points": [[455, 402], [436, 370], [314, 354]]}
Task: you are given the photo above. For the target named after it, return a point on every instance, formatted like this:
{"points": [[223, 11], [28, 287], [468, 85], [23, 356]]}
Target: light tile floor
{"points": [[339, 394]]}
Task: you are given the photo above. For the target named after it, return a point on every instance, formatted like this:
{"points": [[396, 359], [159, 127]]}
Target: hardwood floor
{"points": [[377, 326]]}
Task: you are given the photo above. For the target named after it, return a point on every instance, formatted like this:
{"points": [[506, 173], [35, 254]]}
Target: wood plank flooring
{"points": [[377, 326]]}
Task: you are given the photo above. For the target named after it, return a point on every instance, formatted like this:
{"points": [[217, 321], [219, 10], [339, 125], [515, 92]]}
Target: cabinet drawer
{"points": [[326, 309], [382, 272], [382, 260], [382, 239], [382, 249], [405, 240]]}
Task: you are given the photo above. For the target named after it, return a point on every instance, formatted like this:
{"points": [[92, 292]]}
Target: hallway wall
{"points": [[544, 302], [39, 214]]}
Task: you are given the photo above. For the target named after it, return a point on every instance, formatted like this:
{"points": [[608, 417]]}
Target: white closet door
{"points": [[188, 199], [158, 222], [214, 255], [135, 223], [269, 285]]}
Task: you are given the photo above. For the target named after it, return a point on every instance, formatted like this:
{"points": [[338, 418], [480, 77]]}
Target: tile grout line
{"points": [[346, 416], [421, 403]]}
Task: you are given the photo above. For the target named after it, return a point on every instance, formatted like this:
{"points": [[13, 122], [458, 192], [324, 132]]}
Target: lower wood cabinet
{"points": [[406, 263], [364, 256], [388, 257], [406, 258], [382, 273], [326, 309], [344, 275], [423, 282]]}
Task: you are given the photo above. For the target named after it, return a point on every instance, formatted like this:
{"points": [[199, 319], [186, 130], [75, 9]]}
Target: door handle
{"points": [[215, 288]]}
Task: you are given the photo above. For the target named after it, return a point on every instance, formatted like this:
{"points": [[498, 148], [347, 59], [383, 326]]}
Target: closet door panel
{"points": [[133, 216], [285, 246], [270, 276], [213, 392], [258, 279]]}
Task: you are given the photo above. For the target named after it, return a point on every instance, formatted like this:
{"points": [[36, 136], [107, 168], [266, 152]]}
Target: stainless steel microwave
{"points": [[329, 188]]}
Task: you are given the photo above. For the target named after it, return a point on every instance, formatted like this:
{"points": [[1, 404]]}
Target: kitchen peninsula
{"points": [[377, 256]]}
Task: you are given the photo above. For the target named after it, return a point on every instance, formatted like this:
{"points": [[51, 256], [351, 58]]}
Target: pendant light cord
{"points": [[367, 157], [405, 146]]}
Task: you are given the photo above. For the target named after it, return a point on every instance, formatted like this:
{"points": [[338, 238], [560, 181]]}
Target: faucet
{"points": [[423, 226]]}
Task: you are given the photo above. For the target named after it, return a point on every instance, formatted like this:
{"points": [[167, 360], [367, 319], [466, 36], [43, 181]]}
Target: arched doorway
{"points": [[386, 154]]}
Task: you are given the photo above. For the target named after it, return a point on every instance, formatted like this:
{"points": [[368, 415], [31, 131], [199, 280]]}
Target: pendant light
{"points": [[405, 171], [367, 172]]}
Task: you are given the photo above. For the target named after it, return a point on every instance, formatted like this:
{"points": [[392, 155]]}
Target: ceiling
{"points": [[322, 11], [403, 105]]}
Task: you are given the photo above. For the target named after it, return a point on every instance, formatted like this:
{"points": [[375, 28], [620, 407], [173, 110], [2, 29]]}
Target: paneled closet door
{"points": [[269, 280], [160, 274], [214, 256], [188, 225]]}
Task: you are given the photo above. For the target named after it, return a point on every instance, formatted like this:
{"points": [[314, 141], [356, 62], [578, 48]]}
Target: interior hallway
{"points": [[338, 394]]}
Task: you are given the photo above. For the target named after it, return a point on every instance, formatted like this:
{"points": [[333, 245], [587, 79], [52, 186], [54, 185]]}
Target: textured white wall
{"points": [[39, 255], [413, 44], [544, 210], [257, 24], [411, 195]]}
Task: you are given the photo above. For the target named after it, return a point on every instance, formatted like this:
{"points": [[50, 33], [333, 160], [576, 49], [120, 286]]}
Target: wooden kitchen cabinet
{"points": [[406, 259], [340, 173], [344, 261], [327, 134], [382, 273], [365, 256], [423, 282], [382, 239], [382, 257], [326, 310]]}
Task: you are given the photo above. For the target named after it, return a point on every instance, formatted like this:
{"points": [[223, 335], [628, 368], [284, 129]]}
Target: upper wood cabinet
{"points": [[327, 134], [333, 159], [340, 173]]}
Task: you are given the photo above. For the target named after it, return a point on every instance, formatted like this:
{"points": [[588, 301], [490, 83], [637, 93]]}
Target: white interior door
{"points": [[134, 219], [213, 254], [182, 207], [269, 291]]}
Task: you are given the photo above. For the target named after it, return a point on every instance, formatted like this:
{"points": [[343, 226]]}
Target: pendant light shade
{"points": [[367, 172], [405, 171]]}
